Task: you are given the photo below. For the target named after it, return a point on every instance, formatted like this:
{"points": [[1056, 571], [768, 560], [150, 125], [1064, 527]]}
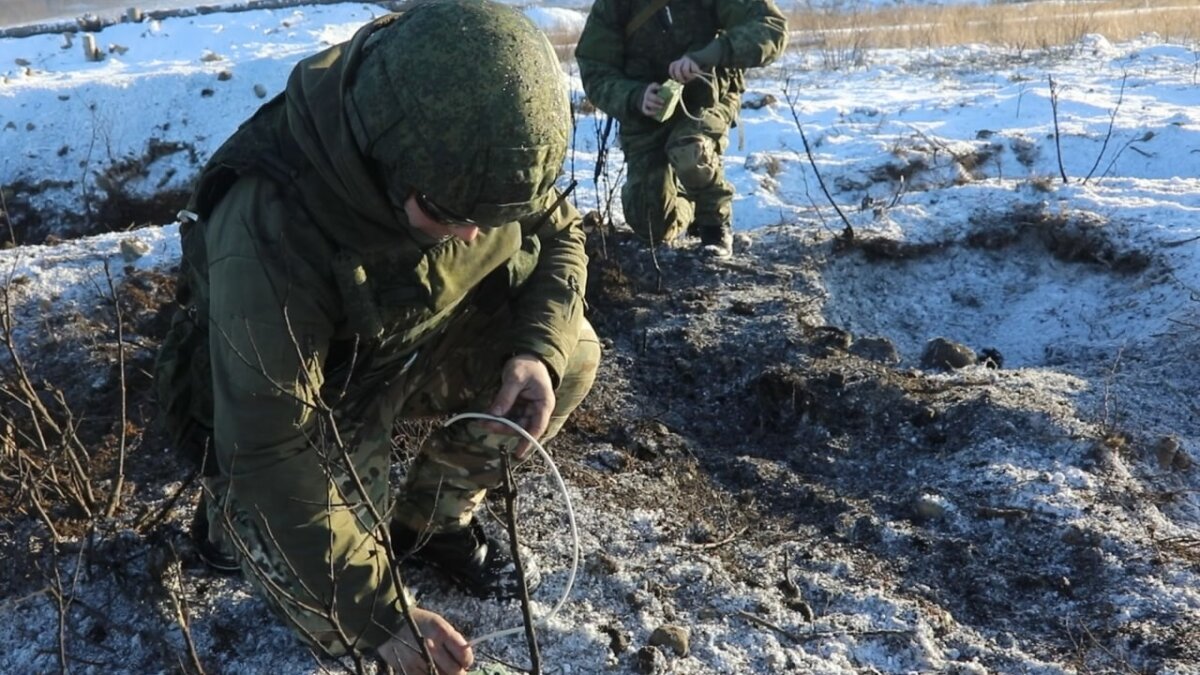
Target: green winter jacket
{"points": [[325, 291], [727, 36]]}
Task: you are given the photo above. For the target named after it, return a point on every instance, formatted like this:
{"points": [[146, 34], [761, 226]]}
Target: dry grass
{"points": [[1019, 26]]}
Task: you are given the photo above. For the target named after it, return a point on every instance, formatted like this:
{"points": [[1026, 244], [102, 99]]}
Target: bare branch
{"points": [[1057, 133], [848, 232], [510, 503]]}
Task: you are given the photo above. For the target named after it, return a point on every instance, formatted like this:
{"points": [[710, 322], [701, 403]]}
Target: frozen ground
{"points": [[767, 462]]}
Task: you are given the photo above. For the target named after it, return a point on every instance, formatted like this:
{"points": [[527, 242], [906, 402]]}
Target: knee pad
{"points": [[695, 161]]}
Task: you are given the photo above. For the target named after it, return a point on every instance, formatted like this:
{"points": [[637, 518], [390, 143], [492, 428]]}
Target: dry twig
{"points": [[1057, 134], [848, 232], [510, 503]]}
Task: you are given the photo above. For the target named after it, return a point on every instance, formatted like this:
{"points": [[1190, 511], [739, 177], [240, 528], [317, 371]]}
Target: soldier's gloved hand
{"points": [[651, 101], [526, 397], [451, 652], [684, 69]]}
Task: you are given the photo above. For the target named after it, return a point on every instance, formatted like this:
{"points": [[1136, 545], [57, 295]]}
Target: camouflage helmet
{"points": [[463, 101]]}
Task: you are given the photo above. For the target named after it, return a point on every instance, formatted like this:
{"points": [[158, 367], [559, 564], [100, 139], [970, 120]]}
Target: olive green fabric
{"points": [[486, 158], [674, 177], [725, 37], [315, 298]]}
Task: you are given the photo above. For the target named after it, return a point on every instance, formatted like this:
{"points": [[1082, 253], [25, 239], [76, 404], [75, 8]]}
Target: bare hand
{"points": [[451, 652], [526, 397], [651, 101], [684, 69]]}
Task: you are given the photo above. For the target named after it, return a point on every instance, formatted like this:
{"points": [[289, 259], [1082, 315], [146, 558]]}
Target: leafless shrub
{"points": [[49, 463]]}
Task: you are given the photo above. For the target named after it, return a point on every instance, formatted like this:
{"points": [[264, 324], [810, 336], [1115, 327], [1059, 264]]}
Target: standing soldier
{"points": [[383, 240], [628, 48]]}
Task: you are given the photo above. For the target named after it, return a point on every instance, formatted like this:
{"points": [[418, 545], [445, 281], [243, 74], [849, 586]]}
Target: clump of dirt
{"points": [[1070, 237]]}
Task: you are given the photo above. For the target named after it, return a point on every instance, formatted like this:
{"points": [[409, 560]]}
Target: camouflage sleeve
{"points": [[600, 53], [754, 34], [270, 326], [550, 305]]}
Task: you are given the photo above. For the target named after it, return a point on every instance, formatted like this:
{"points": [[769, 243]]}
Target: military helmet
{"points": [[464, 103]]}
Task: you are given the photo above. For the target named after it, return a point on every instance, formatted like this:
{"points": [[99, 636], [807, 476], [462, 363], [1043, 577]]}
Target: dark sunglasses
{"points": [[439, 214]]}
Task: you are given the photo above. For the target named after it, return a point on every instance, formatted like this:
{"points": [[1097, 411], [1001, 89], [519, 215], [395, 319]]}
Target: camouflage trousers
{"points": [[682, 153], [343, 478]]}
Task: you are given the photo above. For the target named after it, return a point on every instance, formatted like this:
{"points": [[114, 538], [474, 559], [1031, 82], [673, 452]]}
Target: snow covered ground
{"points": [[949, 156]]}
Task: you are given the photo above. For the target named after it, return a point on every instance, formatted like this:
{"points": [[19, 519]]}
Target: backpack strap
{"points": [[644, 15]]}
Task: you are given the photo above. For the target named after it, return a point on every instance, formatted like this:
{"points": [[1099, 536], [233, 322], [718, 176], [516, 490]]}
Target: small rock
{"points": [[117, 49], [609, 459], [1078, 536], [90, 51], [22, 62], [674, 637], [943, 354], [224, 76], [1171, 455], [991, 358], [639, 598], [742, 242], [878, 349], [133, 248], [928, 507], [830, 340], [1104, 455], [605, 564], [30, 126], [618, 641], [260, 91], [754, 102], [649, 661]]}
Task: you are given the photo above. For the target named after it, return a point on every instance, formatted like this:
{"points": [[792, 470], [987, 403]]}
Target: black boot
{"points": [[467, 557], [717, 242], [211, 554]]}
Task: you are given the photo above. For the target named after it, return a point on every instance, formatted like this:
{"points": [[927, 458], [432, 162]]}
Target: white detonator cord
{"points": [[570, 518]]}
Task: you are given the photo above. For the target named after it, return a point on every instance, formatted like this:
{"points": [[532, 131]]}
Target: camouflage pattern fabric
{"points": [[309, 292], [683, 154], [677, 160], [484, 163], [458, 464], [447, 481]]}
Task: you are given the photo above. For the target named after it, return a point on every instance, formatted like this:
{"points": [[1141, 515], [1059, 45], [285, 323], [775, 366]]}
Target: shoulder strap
{"points": [[642, 16]]}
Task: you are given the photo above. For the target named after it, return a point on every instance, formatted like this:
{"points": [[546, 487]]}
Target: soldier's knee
{"points": [[644, 212], [695, 160], [579, 376], [585, 361]]}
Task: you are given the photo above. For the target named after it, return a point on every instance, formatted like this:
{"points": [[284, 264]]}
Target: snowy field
{"points": [[942, 158]]}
